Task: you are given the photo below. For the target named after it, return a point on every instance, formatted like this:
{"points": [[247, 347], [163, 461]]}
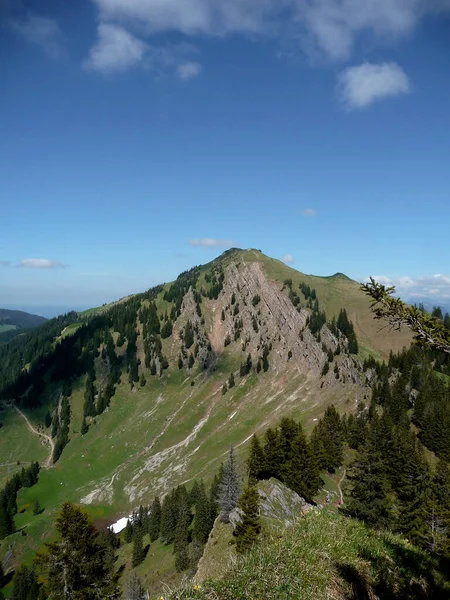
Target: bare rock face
{"points": [[253, 315], [279, 502]]}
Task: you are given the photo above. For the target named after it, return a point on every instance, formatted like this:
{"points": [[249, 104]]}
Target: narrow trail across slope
{"points": [[46, 437], [341, 501]]}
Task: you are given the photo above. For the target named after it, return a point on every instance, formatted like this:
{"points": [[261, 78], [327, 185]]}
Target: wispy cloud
{"points": [[189, 70], [5, 263], [429, 286], [359, 87], [117, 49], [210, 243], [42, 31], [39, 263], [308, 212], [327, 28], [288, 259]]}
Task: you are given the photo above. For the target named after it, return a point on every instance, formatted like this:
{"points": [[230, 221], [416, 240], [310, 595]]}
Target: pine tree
{"points": [[6, 521], [154, 526], [84, 427], [439, 514], [77, 565], [134, 589], [299, 470], [229, 488], [181, 538], [36, 507], [248, 529], [202, 521], [255, 462], [214, 493], [26, 585], [138, 547], [168, 518], [273, 457], [368, 495], [128, 534]]}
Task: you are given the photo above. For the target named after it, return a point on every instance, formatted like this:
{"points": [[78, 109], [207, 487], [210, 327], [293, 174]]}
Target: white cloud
{"points": [[210, 243], [308, 212], [115, 50], [42, 31], [327, 28], [288, 259], [426, 286], [39, 263], [189, 70], [361, 86]]}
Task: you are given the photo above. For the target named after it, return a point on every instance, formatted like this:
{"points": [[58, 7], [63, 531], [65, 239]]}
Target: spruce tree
{"points": [[229, 488], [181, 538], [36, 507], [202, 521], [134, 589], [88, 572], [248, 529], [255, 462], [273, 456], [128, 534], [84, 427], [168, 518], [138, 547], [154, 526], [26, 585], [439, 515], [367, 498]]}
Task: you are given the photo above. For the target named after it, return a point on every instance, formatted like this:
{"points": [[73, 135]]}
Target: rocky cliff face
{"points": [[253, 314]]}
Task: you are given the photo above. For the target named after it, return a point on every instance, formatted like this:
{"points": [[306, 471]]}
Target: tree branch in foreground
{"points": [[428, 330]]}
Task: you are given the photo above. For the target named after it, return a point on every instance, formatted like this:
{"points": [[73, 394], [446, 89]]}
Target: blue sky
{"points": [[141, 137]]}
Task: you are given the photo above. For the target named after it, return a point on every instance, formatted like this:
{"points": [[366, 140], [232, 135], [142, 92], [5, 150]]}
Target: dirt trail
{"points": [[339, 487], [46, 437]]}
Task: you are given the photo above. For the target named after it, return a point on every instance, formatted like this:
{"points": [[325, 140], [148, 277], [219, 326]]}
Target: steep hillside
{"points": [[165, 381]]}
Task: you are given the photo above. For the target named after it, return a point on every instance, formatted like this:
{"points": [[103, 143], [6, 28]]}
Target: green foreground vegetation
{"points": [[324, 556]]}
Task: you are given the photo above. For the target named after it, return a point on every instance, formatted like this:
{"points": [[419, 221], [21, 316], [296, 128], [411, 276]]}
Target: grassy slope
{"points": [[17, 444], [326, 556]]}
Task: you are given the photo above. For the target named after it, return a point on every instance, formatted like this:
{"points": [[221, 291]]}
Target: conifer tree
{"points": [[6, 520], [255, 462], [36, 507], [134, 589], [128, 535], [202, 521], [214, 493], [248, 529], [138, 547], [229, 488], [77, 565], [168, 518], [439, 514], [84, 427], [181, 538], [154, 526], [368, 494], [26, 585], [273, 458]]}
